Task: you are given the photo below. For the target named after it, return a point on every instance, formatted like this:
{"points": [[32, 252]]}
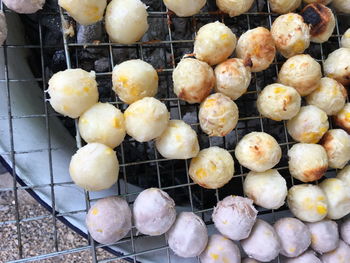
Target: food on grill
{"points": [[301, 72], [146, 119], [263, 242], [85, 12], [126, 21], [307, 257], [218, 115], [324, 236], [178, 141], [73, 91], [3, 28], [344, 175], [325, 2], [284, 6], [258, 151], [338, 196], [342, 119], [188, 237], [291, 34], [345, 230], [339, 255], [185, 8], [109, 220], [267, 189], [212, 168], [345, 40], [24, 6], [220, 250], [193, 80], [279, 102], [309, 125], [330, 96], [102, 123], [337, 65], [134, 79], [234, 7], [233, 77], [249, 260], [154, 212], [344, 7], [294, 235], [235, 217], [321, 20], [214, 43]]}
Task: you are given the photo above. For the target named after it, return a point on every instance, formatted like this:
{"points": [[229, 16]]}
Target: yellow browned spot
{"points": [[308, 203], [214, 256], [99, 230], [292, 249], [314, 174], [209, 103], [321, 198], [279, 90], [226, 260], [220, 248], [313, 238], [94, 211], [123, 80], [347, 116], [86, 89], [292, 66], [321, 209], [256, 50], [290, 18], [224, 36], [84, 121], [116, 123], [311, 137], [92, 11], [134, 91], [201, 172], [108, 151], [178, 137], [299, 46], [330, 75]]}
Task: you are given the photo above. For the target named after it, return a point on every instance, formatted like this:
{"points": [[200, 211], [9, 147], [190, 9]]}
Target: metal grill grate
{"points": [[145, 167]]}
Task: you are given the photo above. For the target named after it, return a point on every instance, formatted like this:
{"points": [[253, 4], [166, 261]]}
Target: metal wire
{"points": [[261, 13]]}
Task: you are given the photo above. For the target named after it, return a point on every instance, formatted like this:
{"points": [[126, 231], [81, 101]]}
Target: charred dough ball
{"points": [[284, 6], [339, 255], [134, 79], [232, 78], [24, 6], [185, 8], [345, 230], [188, 237], [345, 40], [234, 7], [193, 80], [324, 236], [109, 220], [344, 175], [307, 257], [154, 212], [294, 235], [3, 28], [178, 141], [126, 21], [279, 102], [212, 168], [214, 43], [344, 7], [235, 217], [337, 65], [258, 151], [218, 115], [342, 119], [73, 91]]}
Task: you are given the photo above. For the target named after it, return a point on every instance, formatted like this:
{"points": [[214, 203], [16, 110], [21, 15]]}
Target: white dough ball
{"points": [[126, 21], [94, 167], [212, 168], [344, 7], [258, 151], [345, 231], [232, 78], [249, 260], [307, 257], [73, 91], [85, 12], [3, 28], [337, 145], [214, 43], [185, 8], [234, 7], [193, 80], [146, 119], [279, 102], [309, 125], [342, 119], [345, 40], [218, 115], [267, 189], [337, 65], [338, 195], [284, 6], [344, 175], [324, 236], [339, 255], [178, 141], [134, 79], [24, 6]]}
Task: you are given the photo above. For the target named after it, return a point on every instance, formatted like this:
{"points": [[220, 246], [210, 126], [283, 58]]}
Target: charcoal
{"points": [[102, 65], [58, 62]]}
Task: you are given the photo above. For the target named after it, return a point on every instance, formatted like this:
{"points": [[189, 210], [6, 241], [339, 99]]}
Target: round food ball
{"points": [[212, 168], [337, 145], [267, 189], [345, 40], [232, 78], [154, 212], [24, 6], [249, 260], [146, 119], [291, 34], [193, 80], [94, 167], [188, 237], [309, 125], [234, 7], [218, 115], [220, 250], [325, 2], [258, 151], [85, 12], [344, 175], [308, 202], [301, 72], [307, 257], [339, 255], [126, 21], [284, 6], [109, 220], [337, 65], [330, 96], [345, 231], [263, 242], [214, 43], [134, 79], [294, 235], [344, 7], [257, 45], [235, 217], [324, 236], [342, 119], [73, 91], [185, 8], [3, 28], [178, 141], [102, 123], [279, 102], [338, 195]]}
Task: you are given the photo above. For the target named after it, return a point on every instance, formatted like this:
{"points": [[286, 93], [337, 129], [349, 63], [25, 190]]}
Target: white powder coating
{"points": [[3, 28], [284, 6], [339, 255], [24, 6], [344, 175], [185, 8], [344, 7], [345, 230], [307, 257], [234, 7], [342, 119], [337, 65], [324, 236], [345, 40]]}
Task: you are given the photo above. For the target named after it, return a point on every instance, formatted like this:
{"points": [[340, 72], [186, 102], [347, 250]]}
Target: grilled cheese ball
{"points": [[344, 175], [183, 8], [337, 65], [345, 40], [341, 6], [340, 255], [284, 6], [342, 118], [324, 236], [234, 7]]}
